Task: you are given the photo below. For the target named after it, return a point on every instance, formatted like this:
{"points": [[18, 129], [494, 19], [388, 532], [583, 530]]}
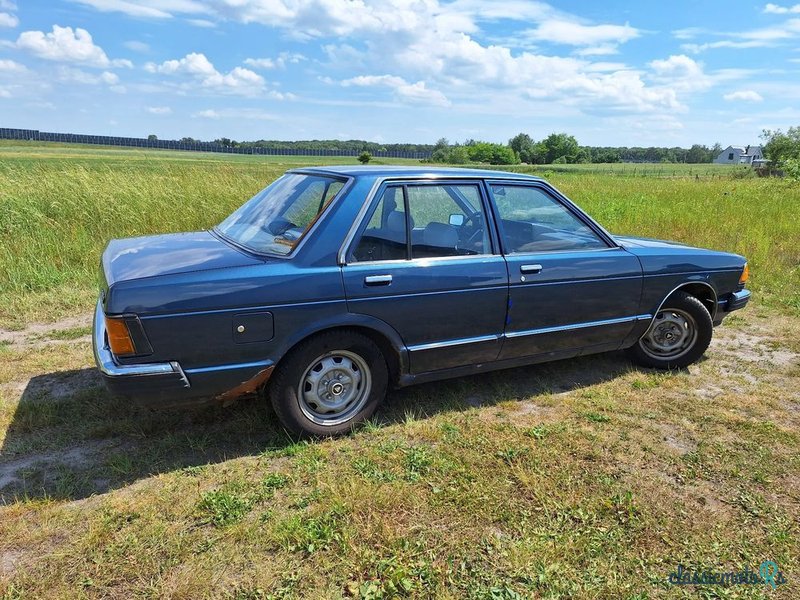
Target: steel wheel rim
{"points": [[334, 388], [672, 334]]}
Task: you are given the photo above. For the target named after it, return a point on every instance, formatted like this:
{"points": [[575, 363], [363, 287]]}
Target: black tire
{"points": [[681, 315], [361, 362]]}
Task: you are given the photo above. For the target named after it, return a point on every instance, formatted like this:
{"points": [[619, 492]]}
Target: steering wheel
{"points": [[474, 239]]}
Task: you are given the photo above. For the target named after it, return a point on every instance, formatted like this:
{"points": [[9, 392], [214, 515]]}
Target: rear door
{"points": [[425, 261], [570, 287]]}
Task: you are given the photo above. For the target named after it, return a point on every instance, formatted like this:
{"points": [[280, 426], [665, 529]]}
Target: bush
{"points": [[364, 157], [791, 166]]}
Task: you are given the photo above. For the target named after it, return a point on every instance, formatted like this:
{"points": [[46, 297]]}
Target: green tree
{"points": [[364, 157], [152, 137], [523, 145], [699, 154], [441, 151], [781, 147], [560, 145], [494, 154]]}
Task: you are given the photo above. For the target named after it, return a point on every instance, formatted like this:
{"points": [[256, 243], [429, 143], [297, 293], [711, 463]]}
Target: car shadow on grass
{"points": [[70, 439]]}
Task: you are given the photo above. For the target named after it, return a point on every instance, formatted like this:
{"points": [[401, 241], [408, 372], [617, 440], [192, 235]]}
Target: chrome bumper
{"points": [[111, 369]]}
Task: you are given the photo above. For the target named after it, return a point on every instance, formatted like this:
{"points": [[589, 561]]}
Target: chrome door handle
{"points": [[378, 279], [530, 269]]}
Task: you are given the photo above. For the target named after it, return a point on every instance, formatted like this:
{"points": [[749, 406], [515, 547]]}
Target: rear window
{"points": [[276, 218]]}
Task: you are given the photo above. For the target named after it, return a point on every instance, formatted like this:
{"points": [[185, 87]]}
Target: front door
{"points": [[424, 262], [571, 289]]}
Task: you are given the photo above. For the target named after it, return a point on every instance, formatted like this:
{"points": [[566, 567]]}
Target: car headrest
{"points": [[440, 235], [396, 221]]}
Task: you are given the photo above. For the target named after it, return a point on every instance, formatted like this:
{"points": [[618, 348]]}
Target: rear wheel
{"points": [[329, 383], [678, 336]]}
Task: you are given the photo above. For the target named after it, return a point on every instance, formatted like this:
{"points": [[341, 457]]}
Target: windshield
{"points": [[275, 219]]}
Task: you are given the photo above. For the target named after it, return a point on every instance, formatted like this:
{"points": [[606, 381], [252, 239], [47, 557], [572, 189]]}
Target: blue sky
{"points": [[610, 73]]}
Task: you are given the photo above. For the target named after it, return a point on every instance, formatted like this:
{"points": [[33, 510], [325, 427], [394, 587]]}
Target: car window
{"points": [[385, 237], [534, 221], [276, 218], [447, 220]]}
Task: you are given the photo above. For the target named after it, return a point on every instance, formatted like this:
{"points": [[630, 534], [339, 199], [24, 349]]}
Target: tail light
{"points": [[119, 337]]}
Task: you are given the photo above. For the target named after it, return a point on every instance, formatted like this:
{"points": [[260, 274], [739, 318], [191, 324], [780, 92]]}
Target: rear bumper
{"points": [[730, 303], [134, 379], [167, 384]]}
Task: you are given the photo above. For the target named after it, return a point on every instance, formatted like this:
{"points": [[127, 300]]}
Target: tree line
{"points": [[556, 148], [562, 148]]}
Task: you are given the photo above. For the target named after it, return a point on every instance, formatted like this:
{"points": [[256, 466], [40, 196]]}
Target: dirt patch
{"points": [[81, 457], [9, 562], [752, 346], [38, 334]]}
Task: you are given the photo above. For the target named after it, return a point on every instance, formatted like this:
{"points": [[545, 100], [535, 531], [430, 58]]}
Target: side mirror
{"points": [[457, 220]]}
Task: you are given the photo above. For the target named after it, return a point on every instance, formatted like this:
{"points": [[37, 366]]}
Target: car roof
{"points": [[382, 171]]}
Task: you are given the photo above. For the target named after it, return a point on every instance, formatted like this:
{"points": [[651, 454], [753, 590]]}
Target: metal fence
{"points": [[107, 140]]}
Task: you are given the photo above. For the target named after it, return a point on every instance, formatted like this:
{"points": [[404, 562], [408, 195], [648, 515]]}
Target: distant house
{"points": [[740, 155]]}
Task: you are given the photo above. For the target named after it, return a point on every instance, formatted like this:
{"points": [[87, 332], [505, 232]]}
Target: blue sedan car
{"points": [[334, 283]]}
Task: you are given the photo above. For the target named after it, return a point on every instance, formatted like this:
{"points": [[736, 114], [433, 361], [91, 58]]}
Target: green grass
{"points": [[587, 478], [598, 491], [59, 206]]}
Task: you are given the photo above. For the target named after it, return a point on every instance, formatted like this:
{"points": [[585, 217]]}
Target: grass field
{"points": [[586, 478]]}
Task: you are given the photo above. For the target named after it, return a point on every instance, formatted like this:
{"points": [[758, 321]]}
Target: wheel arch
{"points": [[702, 290], [382, 334]]}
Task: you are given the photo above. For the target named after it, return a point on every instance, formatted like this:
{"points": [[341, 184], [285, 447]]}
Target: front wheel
{"points": [[329, 383], [678, 336]]}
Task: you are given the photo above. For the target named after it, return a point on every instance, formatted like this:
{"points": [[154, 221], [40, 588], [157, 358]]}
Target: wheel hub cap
{"points": [[334, 387], [671, 335]]}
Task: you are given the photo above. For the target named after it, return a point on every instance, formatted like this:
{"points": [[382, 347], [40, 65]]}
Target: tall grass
{"points": [[59, 207]]}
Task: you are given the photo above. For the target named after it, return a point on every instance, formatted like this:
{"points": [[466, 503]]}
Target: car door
{"points": [[571, 288], [425, 261]]}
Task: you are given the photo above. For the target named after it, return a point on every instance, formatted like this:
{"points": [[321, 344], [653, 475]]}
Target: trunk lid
{"points": [[168, 254]]}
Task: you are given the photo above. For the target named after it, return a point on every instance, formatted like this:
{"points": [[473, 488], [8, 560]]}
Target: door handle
{"points": [[377, 279], [530, 269]]}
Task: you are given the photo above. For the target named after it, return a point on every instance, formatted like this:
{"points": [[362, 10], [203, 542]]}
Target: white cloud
{"points": [[9, 66], [152, 9], [250, 114], [64, 44], [782, 10], [237, 81], [744, 96], [137, 46], [680, 73], [207, 114], [576, 34], [205, 23], [601, 50], [414, 92], [8, 20], [260, 63], [754, 38], [284, 58], [73, 75], [159, 110]]}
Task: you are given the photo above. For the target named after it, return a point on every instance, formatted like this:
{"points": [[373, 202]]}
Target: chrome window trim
{"points": [[544, 330], [341, 256], [348, 183], [398, 262], [571, 207]]}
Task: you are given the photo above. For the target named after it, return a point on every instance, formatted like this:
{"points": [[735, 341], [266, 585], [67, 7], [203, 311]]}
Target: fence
{"points": [[107, 140]]}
